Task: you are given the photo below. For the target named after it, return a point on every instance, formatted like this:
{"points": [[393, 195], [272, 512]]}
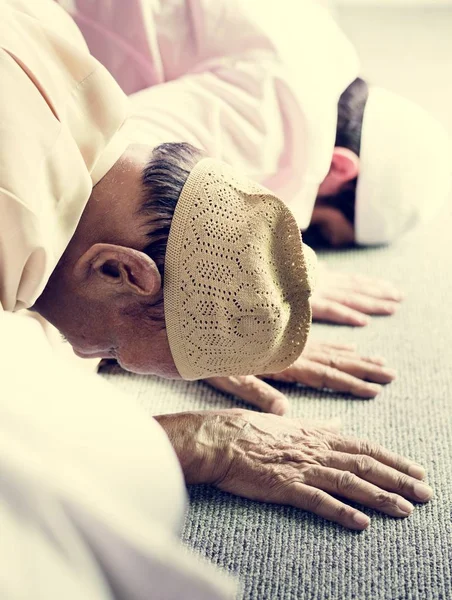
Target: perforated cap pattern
{"points": [[237, 285]]}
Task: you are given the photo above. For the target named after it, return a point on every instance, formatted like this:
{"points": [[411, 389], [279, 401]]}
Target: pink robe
{"points": [[252, 82]]}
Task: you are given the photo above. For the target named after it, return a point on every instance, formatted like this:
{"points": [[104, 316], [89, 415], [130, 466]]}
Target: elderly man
{"points": [[241, 98], [150, 267], [279, 98]]}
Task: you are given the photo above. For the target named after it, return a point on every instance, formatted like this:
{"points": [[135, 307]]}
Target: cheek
{"points": [[141, 356], [334, 226], [341, 232], [132, 360]]}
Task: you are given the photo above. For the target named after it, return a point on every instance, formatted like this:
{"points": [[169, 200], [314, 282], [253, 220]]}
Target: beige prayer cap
{"points": [[237, 278]]}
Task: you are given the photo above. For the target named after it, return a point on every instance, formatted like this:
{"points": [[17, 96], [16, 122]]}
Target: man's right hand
{"points": [[269, 458], [350, 299], [338, 368]]}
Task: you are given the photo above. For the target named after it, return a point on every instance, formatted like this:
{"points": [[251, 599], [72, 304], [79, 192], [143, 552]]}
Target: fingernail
{"points": [[405, 506], [422, 492], [363, 322], [378, 360], [361, 519], [416, 471], [374, 387], [391, 308], [279, 406], [389, 372]]}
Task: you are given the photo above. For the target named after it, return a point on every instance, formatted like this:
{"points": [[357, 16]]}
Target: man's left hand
{"points": [[332, 366]]}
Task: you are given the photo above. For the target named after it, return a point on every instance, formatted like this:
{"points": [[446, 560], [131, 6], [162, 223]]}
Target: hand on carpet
{"points": [[348, 299], [288, 461], [333, 366]]}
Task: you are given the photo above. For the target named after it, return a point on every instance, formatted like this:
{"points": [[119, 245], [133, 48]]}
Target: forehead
{"points": [[344, 201]]}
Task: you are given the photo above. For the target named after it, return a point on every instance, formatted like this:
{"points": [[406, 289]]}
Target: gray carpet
{"points": [[280, 553]]}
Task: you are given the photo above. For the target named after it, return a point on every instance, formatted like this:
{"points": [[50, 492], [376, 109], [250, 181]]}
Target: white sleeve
{"points": [[91, 494]]}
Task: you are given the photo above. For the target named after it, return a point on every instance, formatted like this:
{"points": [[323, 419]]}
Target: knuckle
{"points": [[343, 512], [347, 481], [384, 500], [331, 361], [254, 388], [326, 374], [251, 382], [324, 458], [364, 465], [366, 448], [315, 500], [402, 482], [335, 362]]}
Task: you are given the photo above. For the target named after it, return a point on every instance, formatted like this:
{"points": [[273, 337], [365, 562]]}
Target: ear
{"points": [[125, 269], [344, 165]]}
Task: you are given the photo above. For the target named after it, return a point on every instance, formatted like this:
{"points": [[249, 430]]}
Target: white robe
{"points": [[253, 82], [91, 493], [92, 496]]}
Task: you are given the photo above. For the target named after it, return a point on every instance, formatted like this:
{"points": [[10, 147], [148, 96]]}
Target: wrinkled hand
{"points": [[321, 365], [348, 299], [275, 459]]}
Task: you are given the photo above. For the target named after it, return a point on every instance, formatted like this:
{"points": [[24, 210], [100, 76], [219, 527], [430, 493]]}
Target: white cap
{"points": [[405, 168], [311, 64]]}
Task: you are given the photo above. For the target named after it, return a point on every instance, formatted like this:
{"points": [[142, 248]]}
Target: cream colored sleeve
{"points": [[92, 496], [59, 346], [61, 116]]}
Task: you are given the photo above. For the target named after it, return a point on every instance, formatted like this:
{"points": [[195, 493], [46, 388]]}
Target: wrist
{"points": [[202, 442]]}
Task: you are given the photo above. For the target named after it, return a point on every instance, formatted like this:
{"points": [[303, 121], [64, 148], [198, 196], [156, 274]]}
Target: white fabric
{"points": [[60, 113], [255, 83], [405, 168], [91, 493], [318, 63]]}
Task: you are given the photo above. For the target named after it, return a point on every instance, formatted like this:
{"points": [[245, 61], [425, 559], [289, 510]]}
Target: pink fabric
{"points": [[253, 83], [116, 35]]}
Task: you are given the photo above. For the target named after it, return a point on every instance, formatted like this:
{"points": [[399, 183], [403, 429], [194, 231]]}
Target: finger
{"points": [[319, 376], [350, 486], [334, 312], [352, 445], [370, 286], [379, 292], [347, 350], [367, 371], [252, 390], [322, 504], [364, 304], [327, 346], [375, 360], [381, 475]]}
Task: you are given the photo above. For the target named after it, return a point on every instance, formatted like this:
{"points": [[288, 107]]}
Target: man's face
{"points": [[139, 344], [106, 298], [329, 225]]}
